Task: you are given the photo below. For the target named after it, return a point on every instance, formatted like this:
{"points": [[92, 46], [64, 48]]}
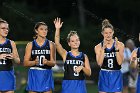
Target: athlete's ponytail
{"points": [[106, 24]]}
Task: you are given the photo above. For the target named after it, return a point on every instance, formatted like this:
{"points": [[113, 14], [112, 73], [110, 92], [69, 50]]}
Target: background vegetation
{"points": [[84, 16]]}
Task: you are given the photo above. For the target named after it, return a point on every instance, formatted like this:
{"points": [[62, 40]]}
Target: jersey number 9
{"points": [[75, 73]]}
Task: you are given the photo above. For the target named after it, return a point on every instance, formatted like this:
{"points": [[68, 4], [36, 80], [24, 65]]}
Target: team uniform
{"points": [[40, 77], [7, 78], [138, 80], [110, 77], [73, 82]]}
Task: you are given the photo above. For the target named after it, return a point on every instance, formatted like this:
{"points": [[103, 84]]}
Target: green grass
{"points": [[92, 88]]}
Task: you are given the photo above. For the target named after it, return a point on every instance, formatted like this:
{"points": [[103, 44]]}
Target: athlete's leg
{"points": [[32, 92], [125, 89], [102, 92], [118, 92], [48, 91], [8, 92], [133, 90]]}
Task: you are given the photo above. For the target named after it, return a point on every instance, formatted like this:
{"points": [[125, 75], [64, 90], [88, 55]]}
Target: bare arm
{"points": [[52, 60], [60, 49], [86, 68], [16, 58], [99, 51], [120, 53], [27, 56], [133, 58]]}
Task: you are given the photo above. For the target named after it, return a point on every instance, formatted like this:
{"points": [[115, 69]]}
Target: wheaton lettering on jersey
{"points": [[77, 62], [45, 51], [5, 50], [108, 55]]}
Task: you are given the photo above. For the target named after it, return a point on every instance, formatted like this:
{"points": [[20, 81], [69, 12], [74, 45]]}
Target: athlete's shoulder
{"points": [[29, 44], [98, 46], [12, 42], [85, 55], [51, 42]]}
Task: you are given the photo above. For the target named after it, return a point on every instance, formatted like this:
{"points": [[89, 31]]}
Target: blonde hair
{"points": [[3, 21], [72, 33], [106, 24]]}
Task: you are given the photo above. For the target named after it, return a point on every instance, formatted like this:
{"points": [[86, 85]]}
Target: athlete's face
{"points": [[74, 42], [42, 31], [107, 34], [4, 29]]}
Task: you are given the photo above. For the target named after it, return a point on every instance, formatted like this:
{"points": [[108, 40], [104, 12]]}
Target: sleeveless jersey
{"points": [[138, 56], [70, 65], [6, 48], [41, 52], [110, 61]]}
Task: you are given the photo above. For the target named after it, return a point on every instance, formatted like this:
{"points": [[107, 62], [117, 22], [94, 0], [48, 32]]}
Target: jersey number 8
{"points": [[110, 63]]}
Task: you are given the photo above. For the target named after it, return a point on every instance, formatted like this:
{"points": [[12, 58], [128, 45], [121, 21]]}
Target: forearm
{"points": [[87, 71], [101, 58], [50, 63], [133, 64], [29, 63], [57, 36], [17, 60]]}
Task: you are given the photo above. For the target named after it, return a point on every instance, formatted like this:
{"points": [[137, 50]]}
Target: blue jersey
{"points": [[73, 82], [41, 52], [110, 77], [6, 48], [138, 56], [70, 65], [40, 78], [7, 78], [138, 81], [110, 61]]}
